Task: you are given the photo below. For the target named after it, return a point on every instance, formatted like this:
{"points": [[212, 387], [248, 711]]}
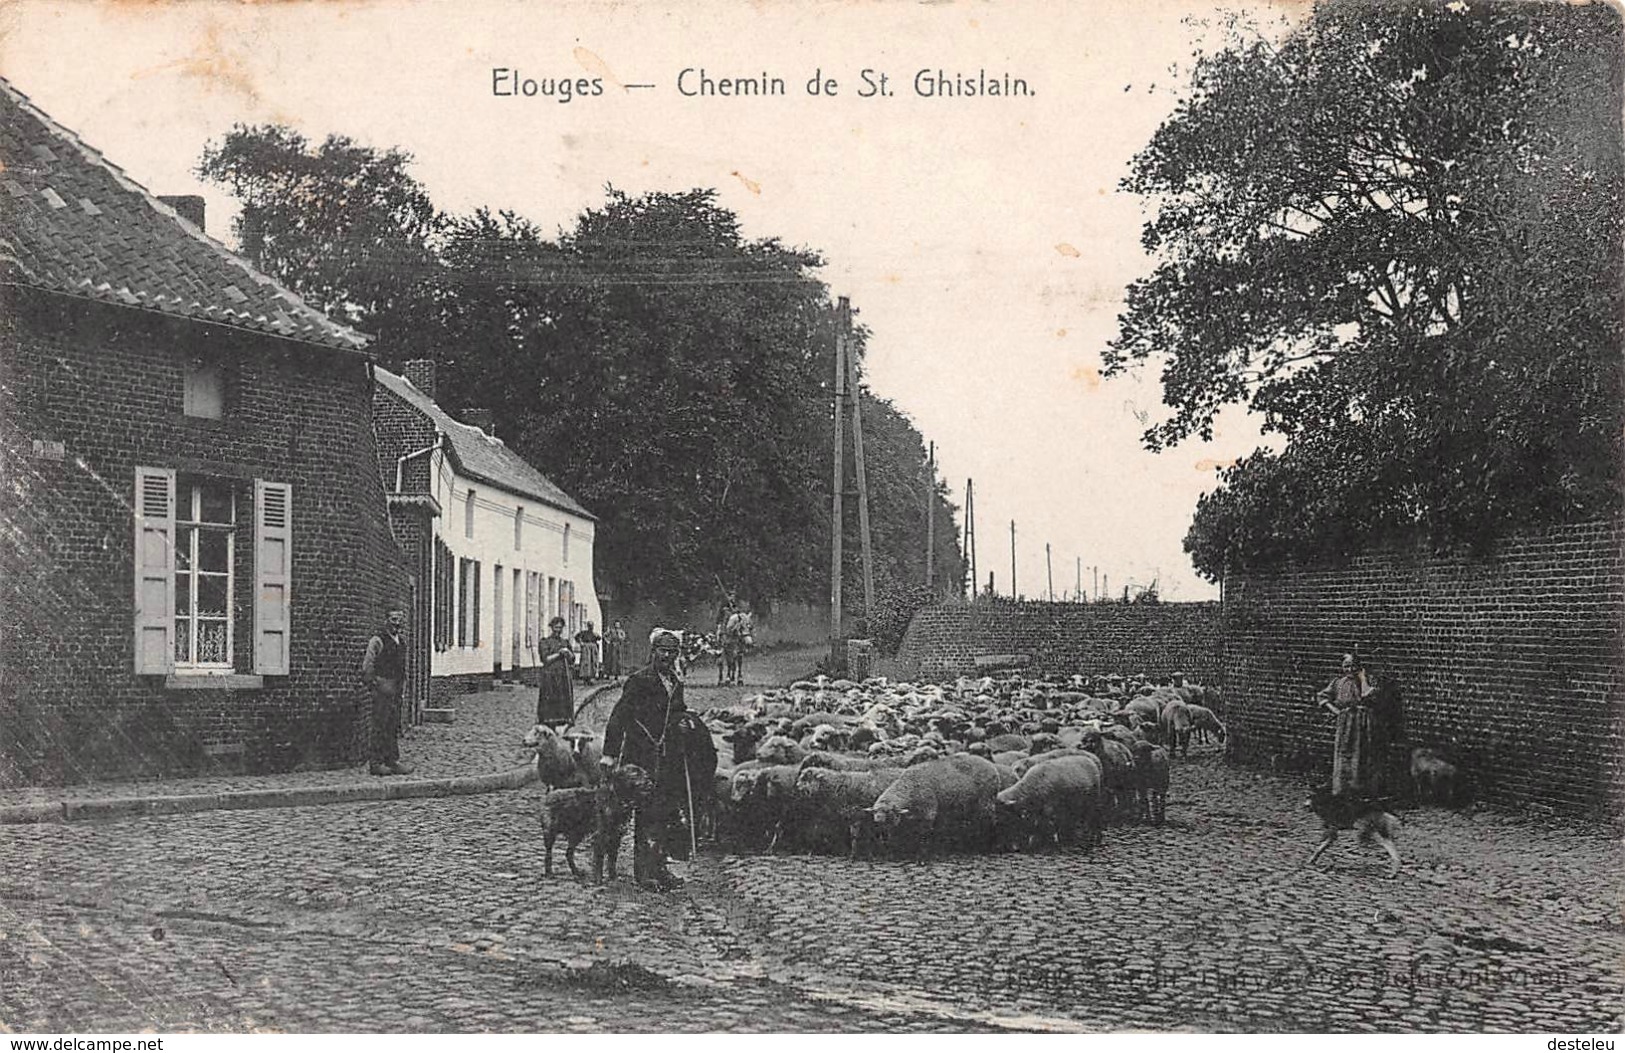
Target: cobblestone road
{"points": [[431, 915]]}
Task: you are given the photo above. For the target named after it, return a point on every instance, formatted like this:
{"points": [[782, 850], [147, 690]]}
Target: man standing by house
{"points": [[645, 728], [383, 671]]}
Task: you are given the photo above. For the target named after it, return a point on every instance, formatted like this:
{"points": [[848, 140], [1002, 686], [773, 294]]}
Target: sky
{"points": [[982, 240]]}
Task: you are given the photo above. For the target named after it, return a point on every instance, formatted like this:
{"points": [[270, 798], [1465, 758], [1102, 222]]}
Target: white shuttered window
{"points": [[154, 570], [273, 575]]}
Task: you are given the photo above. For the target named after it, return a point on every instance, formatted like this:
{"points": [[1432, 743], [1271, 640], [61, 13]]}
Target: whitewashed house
{"points": [[498, 549]]}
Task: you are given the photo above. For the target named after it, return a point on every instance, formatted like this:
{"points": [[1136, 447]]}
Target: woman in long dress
{"points": [[1360, 748], [587, 645], [555, 698]]}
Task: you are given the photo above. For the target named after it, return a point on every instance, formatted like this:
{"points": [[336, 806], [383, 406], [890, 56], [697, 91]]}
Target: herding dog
{"points": [[599, 812], [1365, 818]]}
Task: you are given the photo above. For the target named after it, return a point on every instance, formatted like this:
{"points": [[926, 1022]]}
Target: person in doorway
{"points": [[645, 729], [383, 673], [555, 697]]}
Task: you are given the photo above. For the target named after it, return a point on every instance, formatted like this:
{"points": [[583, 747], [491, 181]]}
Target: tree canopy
{"points": [[1394, 235], [669, 373]]}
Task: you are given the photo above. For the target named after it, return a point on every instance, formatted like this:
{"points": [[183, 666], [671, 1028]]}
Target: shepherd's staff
{"points": [[693, 820]]}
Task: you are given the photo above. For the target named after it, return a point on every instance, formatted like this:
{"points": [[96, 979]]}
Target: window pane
{"points": [[183, 594], [216, 503], [183, 547], [211, 642], [212, 549], [211, 595], [183, 639]]}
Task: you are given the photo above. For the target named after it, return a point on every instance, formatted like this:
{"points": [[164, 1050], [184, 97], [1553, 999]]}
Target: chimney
{"points": [[420, 371], [481, 419], [190, 206]]}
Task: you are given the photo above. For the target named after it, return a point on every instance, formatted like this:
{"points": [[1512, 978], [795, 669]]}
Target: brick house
{"points": [[501, 548], [194, 542]]}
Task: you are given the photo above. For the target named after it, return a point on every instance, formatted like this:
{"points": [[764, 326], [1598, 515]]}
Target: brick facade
{"points": [[1511, 661], [107, 384], [1089, 638]]}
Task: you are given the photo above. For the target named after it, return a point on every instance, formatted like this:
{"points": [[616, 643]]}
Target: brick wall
{"points": [[1089, 638], [1510, 660], [107, 384]]}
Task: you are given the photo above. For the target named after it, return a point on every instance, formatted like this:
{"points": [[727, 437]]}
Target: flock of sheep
{"points": [[976, 765]]}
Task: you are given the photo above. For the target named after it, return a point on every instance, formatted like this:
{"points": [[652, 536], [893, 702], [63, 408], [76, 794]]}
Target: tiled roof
{"points": [[73, 222], [481, 456]]}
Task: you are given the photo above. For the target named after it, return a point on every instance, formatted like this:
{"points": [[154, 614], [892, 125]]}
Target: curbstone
{"points": [[42, 812], [291, 797]]}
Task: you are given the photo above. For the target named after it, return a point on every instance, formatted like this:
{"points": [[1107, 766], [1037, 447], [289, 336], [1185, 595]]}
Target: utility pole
{"points": [[1012, 559], [836, 522], [1096, 569], [1107, 579], [1077, 591], [970, 534], [856, 395], [930, 517], [1050, 571]]}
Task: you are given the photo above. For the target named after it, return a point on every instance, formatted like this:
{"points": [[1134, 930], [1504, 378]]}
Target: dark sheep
{"points": [[1151, 781], [840, 803]]}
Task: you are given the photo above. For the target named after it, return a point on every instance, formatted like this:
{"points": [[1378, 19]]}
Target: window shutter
{"points": [[273, 574], [154, 570]]}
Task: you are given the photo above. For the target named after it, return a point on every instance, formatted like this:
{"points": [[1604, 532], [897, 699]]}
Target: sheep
{"points": [[1433, 776], [1176, 728], [1204, 721], [744, 740], [844, 762], [947, 802], [1117, 766], [557, 765], [1004, 741], [1151, 780], [777, 749], [1145, 707], [841, 801], [1059, 800]]}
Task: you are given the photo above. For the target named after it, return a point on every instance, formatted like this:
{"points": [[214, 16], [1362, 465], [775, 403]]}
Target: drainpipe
{"points": [[400, 462]]}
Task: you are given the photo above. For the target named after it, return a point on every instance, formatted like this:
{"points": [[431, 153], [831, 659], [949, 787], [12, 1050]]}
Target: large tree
{"points": [[671, 374], [1393, 233], [343, 224]]}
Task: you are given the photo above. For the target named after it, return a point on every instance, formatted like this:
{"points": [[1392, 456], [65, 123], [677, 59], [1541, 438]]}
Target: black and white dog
{"points": [[1364, 817]]}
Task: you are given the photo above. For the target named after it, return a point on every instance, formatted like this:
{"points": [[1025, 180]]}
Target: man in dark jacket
{"points": [[643, 729], [383, 671]]}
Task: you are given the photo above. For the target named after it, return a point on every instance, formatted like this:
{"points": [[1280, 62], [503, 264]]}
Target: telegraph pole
{"points": [[836, 521], [970, 534], [1012, 559], [1050, 571], [856, 395], [930, 516], [1078, 590]]}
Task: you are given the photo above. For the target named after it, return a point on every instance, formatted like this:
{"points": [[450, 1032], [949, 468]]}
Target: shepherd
{"points": [[646, 728]]}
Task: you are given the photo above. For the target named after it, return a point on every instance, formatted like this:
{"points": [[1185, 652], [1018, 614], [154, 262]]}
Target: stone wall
{"points": [[1156, 639], [1511, 660]]}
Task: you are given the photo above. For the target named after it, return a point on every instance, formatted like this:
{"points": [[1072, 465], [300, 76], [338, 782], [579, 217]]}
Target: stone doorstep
{"points": [[444, 715], [293, 797]]}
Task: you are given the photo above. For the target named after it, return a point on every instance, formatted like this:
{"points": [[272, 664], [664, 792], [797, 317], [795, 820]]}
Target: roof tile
{"points": [[122, 244], [483, 456]]}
